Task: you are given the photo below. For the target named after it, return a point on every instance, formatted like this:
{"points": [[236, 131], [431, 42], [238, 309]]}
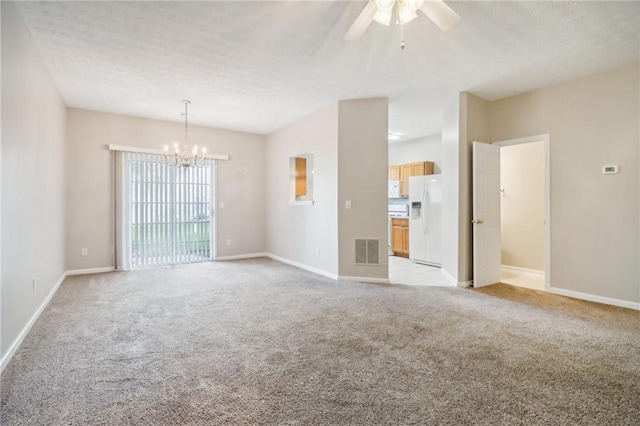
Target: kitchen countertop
{"points": [[398, 217]]}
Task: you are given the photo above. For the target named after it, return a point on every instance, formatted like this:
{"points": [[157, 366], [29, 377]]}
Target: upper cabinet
{"points": [[394, 173], [403, 172], [406, 171]]}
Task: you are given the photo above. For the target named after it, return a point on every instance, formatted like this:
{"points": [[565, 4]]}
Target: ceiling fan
{"points": [[382, 11]]}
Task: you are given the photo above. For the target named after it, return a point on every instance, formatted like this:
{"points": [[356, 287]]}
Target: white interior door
{"points": [[486, 214]]}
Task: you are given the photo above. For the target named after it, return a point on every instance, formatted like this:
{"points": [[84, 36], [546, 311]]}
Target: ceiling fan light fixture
{"points": [[383, 17], [385, 4], [413, 4], [384, 11], [405, 13]]}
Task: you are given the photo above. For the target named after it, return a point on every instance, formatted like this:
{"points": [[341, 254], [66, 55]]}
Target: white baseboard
{"points": [[594, 298], [453, 281], [324, 273], [519, 269], [90, 271], [364, 279], [525, 278], [302, 266], [449, 277], [25, 331], [243, 256]]}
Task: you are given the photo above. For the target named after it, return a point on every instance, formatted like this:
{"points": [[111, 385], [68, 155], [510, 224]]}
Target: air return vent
{"points": [[367, 252]]}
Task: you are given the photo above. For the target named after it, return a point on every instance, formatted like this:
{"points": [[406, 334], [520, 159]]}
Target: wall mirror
{"points": [[301, 179]]}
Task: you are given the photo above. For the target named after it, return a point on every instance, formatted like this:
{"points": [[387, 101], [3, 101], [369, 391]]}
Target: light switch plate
{"points": [[347, 204]]}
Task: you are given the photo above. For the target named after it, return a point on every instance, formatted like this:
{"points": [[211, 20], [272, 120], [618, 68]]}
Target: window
{"points": [[166, 212]]}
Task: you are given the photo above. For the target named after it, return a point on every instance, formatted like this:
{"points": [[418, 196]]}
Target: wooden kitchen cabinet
{"points": [[403, 172], [400, 237], [422, 168], [407, 170], [394, 172], [396, 239], [405, 239]]}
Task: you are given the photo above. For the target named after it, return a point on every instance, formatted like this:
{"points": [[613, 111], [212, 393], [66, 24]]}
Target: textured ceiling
{"points": [[257, 66]]}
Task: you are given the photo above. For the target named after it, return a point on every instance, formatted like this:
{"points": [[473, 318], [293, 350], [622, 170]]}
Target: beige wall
{"points": [[240, 182], [522, 205], [465, 120], [450, 157], [348, 157], [421, 149], [297, 232], [362, 179], [592, 122], [33, 146]]}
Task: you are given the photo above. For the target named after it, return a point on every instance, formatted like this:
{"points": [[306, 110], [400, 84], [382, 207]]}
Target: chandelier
{"points": [[185, 155]]}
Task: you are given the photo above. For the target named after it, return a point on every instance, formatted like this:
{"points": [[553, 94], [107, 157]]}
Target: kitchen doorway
{"points": [[402, 267]]}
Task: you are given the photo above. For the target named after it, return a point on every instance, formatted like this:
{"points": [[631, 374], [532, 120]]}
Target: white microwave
{"points": [[394, 189]]}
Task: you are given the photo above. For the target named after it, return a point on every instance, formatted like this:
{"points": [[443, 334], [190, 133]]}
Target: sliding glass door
{"points": [[168, 212]]}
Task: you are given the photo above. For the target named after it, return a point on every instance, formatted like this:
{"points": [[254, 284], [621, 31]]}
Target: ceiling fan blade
{"points": [[362, 22], [442, 15]]}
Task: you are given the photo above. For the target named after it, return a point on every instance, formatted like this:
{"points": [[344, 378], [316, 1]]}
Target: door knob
{"points": [[479, 221]]}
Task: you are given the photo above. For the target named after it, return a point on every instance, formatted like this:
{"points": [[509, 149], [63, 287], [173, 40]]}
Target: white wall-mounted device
{"points": [[608, 170]]}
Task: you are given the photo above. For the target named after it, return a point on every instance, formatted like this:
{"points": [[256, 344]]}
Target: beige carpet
{"points": [[259, 342]]}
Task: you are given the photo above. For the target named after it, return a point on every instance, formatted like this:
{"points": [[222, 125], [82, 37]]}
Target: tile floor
{"points": [[404, 271], [523, 279]]}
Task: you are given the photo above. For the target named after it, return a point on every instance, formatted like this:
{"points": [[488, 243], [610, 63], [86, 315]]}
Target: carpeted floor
{"points": [[260, 342]]}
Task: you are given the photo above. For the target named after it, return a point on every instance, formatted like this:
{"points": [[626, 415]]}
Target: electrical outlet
{"points": [[228, 241], [84, 252]]}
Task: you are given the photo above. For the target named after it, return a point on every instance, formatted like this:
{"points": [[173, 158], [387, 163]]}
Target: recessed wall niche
{"points": [[301, 179]]}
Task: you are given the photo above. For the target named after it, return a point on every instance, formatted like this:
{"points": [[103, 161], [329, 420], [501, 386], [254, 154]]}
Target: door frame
{"points": [[213, 213], [547, 196]]}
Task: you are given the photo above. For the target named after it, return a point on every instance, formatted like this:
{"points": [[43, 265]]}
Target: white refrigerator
{"points": [[425, 203]]}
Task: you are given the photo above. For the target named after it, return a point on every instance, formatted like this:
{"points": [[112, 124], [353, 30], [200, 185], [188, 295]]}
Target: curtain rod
{"points": [[158, 151]]}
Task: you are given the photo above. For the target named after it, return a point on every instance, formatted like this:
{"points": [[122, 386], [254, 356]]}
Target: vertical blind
{"points": [[165, 210]]}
